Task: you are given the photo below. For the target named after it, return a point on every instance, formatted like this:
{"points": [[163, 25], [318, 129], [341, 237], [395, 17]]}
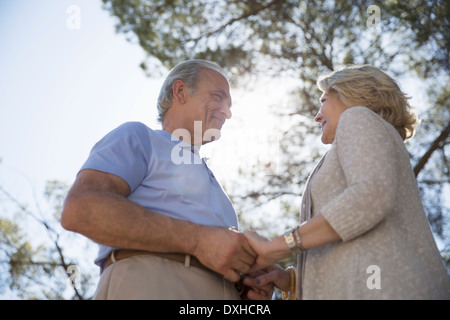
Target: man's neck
{"points": [[180, 131]]}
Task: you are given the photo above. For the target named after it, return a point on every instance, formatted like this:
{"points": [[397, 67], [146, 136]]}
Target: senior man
{"points": [[165, 227]]}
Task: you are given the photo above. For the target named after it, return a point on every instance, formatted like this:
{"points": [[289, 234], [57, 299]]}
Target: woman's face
{"points": [[329, 114]]}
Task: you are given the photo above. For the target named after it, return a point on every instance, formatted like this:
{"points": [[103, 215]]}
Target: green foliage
{"points": [[39, 271], [302, 40], [21, 264], [280, 38], [427, 21]]}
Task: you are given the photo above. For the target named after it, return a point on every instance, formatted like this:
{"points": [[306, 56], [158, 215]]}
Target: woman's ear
{"points": [[180, 91]]}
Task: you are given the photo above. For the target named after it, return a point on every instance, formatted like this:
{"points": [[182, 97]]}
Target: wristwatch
{"points": [[293, 241]]}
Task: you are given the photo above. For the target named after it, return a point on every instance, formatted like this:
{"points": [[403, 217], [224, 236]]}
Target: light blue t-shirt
{"points": [[149, 161]]}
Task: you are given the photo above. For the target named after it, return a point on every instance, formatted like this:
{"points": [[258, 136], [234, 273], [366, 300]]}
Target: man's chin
{"points": [[210, 135]]}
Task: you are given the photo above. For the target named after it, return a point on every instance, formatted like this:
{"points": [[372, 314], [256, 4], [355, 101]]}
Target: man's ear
{"points": [[180, 91]]}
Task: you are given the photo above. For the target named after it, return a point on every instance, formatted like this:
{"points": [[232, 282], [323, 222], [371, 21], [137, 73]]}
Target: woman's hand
{"points": [[315, 233], [271, 276], [255, 290], [269, 251]]}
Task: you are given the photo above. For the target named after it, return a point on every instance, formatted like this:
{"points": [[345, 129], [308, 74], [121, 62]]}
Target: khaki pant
{"points": [[154, 278]]}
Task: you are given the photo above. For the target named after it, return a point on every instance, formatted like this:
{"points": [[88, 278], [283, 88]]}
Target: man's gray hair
{"points": [[186, 71]]}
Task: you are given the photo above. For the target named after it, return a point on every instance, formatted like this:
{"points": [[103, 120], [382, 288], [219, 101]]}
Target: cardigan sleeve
{"points": [[366, 151]]}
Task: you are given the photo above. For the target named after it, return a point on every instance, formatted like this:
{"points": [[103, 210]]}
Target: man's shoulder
{"points": [[132, 131], [135, 128]]}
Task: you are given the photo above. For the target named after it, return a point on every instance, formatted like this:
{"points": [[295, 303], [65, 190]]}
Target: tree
{"points": [[44, 271], [427, 23], [303, 39]]}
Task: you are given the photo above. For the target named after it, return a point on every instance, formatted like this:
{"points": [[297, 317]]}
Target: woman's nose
{"points": [[318, 117]]}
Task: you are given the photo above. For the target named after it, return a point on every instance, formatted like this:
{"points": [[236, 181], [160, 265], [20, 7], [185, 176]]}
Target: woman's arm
{"points": [[315, 233]]}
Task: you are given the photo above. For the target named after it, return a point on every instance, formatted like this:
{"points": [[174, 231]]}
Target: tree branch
{"points": [[54, 237], [435, 145], [253, 12]]}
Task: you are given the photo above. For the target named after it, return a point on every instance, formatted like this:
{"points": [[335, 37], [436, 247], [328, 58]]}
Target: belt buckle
{"points": [[187, 261]]}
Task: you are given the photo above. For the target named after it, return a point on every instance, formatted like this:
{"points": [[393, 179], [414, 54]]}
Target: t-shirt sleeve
{"points": [[124, 152]]}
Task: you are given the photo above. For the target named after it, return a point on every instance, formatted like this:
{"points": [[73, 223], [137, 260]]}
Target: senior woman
{"points": [[364, 233]]}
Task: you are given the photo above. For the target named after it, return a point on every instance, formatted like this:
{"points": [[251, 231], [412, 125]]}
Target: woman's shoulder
{"points": [[360, 121], [360, 116], [359, 112]]}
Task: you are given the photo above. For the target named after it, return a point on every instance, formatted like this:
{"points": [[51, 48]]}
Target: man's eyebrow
{"points": [[221, 92]]}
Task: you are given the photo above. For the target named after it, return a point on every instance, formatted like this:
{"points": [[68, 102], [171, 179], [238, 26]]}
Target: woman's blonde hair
{"points": [[365, 85]]}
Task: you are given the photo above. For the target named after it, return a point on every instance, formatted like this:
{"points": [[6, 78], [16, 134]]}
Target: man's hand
{"points": [[225, 251], [268, 251], [97, 207]]}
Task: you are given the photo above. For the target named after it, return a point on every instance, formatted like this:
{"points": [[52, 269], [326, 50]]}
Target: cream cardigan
{"points": [[365, 188]]}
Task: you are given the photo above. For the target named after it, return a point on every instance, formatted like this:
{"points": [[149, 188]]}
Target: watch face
{"points": [[290, 240], [288, 232]]}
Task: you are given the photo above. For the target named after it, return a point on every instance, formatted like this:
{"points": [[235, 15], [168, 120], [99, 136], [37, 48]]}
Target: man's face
{"points": [[210, 103]]}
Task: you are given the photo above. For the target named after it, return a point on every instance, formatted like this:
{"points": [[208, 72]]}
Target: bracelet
{"points": [[298, 241], [293, 240], [291, 294]]}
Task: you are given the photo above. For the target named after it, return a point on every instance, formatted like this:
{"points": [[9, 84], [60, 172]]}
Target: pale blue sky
{"points": [[61, 90]]}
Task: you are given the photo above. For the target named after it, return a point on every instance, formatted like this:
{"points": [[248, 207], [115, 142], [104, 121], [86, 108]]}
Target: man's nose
{"points": [[226, 110]]}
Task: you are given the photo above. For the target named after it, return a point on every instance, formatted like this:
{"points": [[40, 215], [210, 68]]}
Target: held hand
{"points": [[268, 277], [269, 251], [225, 251], [257, 291]]}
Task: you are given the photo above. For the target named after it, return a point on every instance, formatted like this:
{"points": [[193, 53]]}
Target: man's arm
{"points": [[96, 206]]}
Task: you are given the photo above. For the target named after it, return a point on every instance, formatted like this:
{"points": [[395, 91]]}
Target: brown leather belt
{"points": [[187, 260]]}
